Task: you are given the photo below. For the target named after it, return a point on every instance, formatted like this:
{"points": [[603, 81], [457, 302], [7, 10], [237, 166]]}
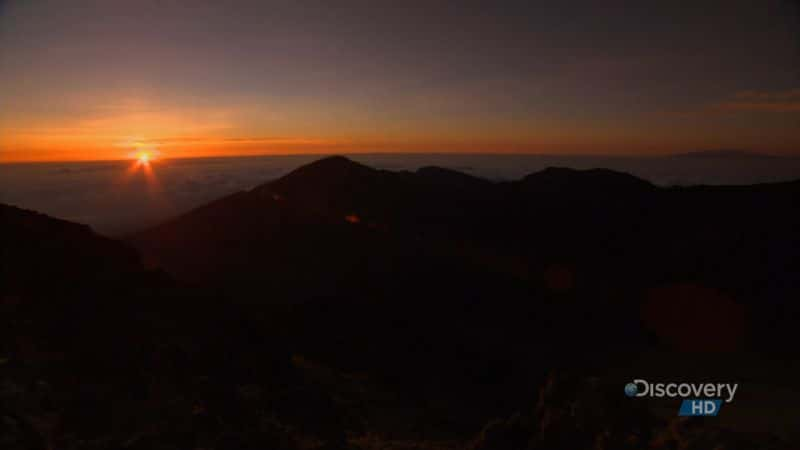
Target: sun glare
{"points": [[142, 163]]}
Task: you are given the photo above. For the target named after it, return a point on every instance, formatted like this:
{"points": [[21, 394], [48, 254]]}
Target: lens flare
{"points": [[143, 164]]}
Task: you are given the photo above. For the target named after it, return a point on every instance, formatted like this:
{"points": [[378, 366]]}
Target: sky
{"points": [[108, 79]]}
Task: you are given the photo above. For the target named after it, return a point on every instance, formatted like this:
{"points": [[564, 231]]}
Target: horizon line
{"points": [[690, 153]]}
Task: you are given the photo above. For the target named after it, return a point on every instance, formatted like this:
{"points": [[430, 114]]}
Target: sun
{"points": [[144, 157], [143, 164]]}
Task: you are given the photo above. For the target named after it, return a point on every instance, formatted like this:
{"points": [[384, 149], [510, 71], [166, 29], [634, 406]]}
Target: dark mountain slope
{"points": [[203, 241], [332, 215], [39, 252], [335, 187], [452, 179], [96, 352], [556, 214], [351, 229], [562, 180], [456, 209]]}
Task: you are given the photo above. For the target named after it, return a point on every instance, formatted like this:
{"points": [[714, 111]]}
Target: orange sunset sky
{"points": [[105, 80]]}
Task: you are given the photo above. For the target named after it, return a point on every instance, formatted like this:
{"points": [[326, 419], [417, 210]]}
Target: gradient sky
{"points": [[104, 79]]}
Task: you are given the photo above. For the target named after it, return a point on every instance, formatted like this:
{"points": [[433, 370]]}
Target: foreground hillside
{"points": [[346, 307]]}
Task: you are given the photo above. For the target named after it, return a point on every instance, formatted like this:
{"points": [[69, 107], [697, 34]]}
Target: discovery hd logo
{"points": [[699, 399]]}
